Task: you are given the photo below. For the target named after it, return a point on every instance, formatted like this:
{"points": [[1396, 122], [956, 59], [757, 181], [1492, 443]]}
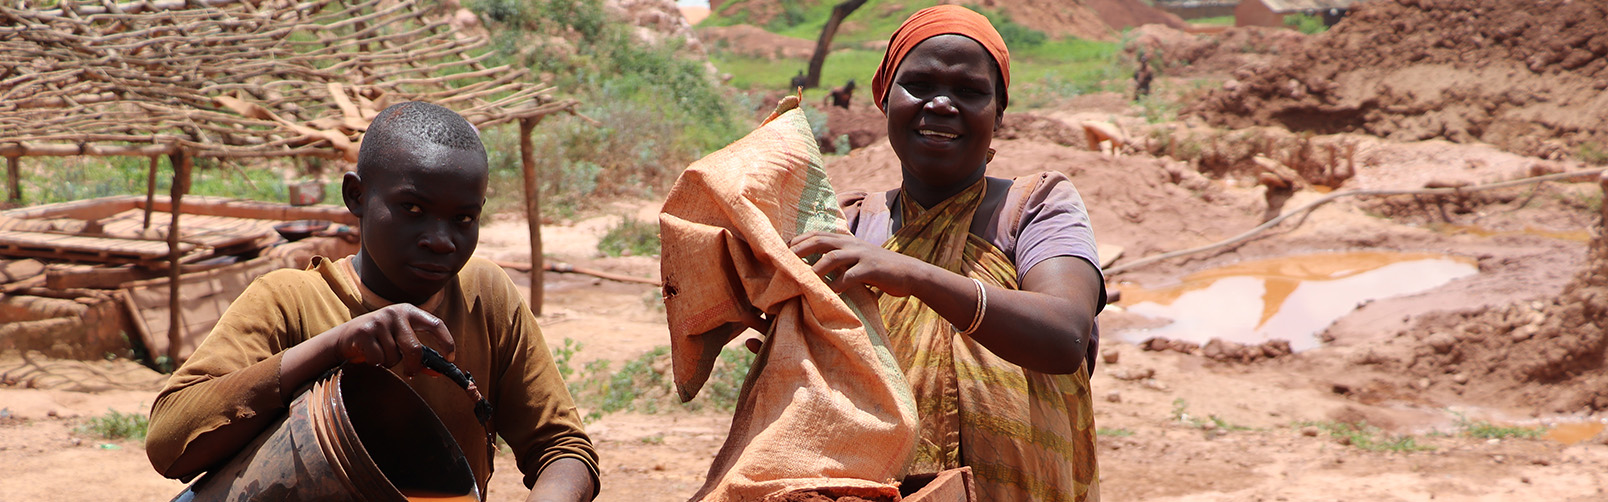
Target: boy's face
{"points": [[421, 219]]}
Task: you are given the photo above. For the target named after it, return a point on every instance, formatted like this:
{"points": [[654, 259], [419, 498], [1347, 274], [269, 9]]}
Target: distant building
{"points": [[1272, 12]]}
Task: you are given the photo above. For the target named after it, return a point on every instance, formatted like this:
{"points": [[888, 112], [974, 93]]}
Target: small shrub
{"points": [[792, 15], [1368, 437], [1485, 430], [630, 238], [117, 425], [642, 384], [1015, 35], [1306, 23]]}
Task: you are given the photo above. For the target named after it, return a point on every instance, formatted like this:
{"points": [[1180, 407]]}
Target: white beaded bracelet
{"points": [[982, 306]]}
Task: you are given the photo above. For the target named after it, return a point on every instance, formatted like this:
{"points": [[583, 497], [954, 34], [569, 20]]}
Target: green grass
{"points": [[1214, 21], [48, 180], [630, 237], [1485, 430], [1040, 75], [1180, 413], [1368, 437], [1306, 23], [643, 385], [757, 73], [1112, 433], [117, 425], [1593, 153]]}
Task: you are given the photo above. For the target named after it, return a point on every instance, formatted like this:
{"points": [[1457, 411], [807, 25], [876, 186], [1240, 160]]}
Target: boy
{"points": [[419, 187]]}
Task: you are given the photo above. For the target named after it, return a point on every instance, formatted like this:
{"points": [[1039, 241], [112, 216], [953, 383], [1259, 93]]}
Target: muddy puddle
{"points": [[1573, 432], [1291, 298]]}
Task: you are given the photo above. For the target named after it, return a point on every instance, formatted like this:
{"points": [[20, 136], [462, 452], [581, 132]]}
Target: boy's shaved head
{"points": [[419, 188], [400, 127]]}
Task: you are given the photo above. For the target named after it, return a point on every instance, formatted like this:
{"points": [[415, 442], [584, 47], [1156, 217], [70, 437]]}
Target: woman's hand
{"points": [[848, 261]]}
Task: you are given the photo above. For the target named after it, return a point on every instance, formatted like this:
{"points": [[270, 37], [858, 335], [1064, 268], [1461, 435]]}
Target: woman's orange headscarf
{"points": [[931, 22]]}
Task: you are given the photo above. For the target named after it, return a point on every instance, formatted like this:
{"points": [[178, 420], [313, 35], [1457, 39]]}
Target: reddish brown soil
{"points": [[1525, 75], [1184, 54], [753, 41]]}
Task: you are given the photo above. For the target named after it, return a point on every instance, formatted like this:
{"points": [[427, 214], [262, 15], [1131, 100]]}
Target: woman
{"points": [[989, 286]]}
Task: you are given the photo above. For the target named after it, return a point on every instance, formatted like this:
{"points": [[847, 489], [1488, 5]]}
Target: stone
{"points": [[1441, 342]]}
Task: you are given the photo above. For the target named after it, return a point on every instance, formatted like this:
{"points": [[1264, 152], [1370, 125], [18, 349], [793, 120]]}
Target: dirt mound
{"points": [[753, 41], [1122, 14], [1146, 205], [1525, 75], [655, 21], [1546, 353], [1091, 19], [1187, 54]]}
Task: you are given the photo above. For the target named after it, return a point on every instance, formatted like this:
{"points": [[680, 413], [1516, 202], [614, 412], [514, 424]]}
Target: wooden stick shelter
{"points": [[220, 79]]}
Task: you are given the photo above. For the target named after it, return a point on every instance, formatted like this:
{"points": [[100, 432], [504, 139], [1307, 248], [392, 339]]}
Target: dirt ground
{"points": [[1517, 344], [1180, 426]]}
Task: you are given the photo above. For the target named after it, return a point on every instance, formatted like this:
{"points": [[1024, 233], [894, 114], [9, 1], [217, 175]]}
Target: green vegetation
{"points": [[1043, 70], [630, 237], [1485, 430], [1368, 437], [1593, 153], [1306, 23], [1214, 21], [60, 179], [1112, 433], [642, 384], [1180, 413], [656, 110], [116, 425]]}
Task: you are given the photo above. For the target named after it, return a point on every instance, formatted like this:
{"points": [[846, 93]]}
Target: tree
{"points": [[824, 44]]}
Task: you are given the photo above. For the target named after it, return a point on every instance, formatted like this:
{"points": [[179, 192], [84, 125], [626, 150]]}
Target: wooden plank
{"points": [[88, 209], [78, 276], [206, 296], [17, 270], [954, 485], [236, 208], [81, 248]]}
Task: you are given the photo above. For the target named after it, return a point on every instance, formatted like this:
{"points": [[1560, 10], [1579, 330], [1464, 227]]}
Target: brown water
{"points": [[1574, 432], [423, 496], [1291, 298]]}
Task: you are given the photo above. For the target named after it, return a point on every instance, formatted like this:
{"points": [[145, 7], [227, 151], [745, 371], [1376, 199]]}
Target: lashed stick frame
{"points": [[232, 79]]}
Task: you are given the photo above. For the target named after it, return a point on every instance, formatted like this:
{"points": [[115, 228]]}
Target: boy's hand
{"points": [[388, 336]]}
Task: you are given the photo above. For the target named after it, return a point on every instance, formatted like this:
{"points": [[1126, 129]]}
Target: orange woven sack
{"points": [[825, 406]]}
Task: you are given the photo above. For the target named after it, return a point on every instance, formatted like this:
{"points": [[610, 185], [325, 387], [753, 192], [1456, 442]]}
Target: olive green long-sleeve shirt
{"points": [[232, 379]]}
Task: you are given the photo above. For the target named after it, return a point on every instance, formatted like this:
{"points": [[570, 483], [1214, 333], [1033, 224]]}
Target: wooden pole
{"points": [[181, 183], [14, 178], [533, 209], [150, 191]]}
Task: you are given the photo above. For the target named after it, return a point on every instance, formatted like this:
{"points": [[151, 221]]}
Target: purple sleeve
{"points": [[1054, 223]]}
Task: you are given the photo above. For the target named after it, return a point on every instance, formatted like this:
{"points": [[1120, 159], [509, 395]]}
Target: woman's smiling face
{"points": [[942, 110]]}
